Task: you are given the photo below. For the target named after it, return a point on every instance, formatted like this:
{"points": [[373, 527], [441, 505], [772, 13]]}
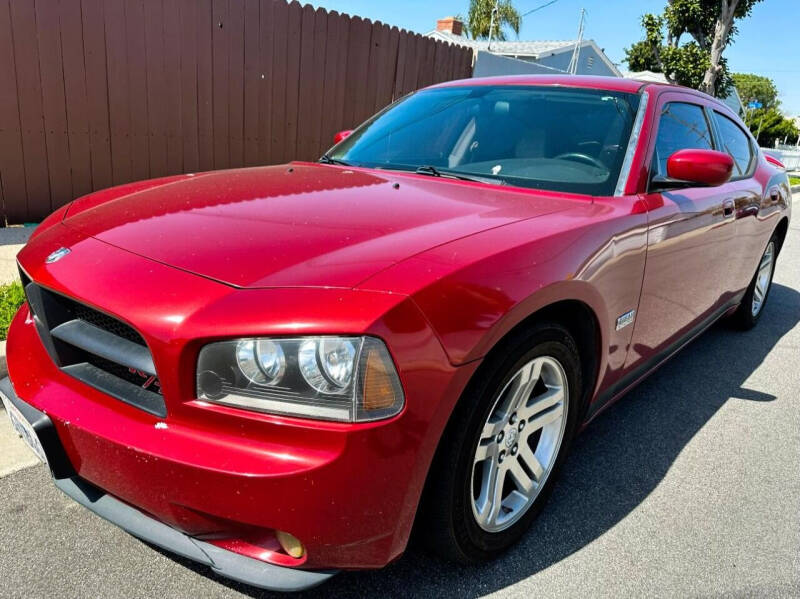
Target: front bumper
{"points": [[225, 563], [348, 492]]}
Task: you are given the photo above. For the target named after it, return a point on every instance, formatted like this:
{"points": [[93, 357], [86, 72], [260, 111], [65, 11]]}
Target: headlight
{"points": [[348, 379], [262, 362], [327, 364]]}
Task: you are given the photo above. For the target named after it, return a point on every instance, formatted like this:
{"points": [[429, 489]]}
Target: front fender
{"points": [[475, 290], [549, 295]]}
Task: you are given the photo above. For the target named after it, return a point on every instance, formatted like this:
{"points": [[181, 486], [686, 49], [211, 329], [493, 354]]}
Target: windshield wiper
{"points": [[325, 159], [427, 169]]}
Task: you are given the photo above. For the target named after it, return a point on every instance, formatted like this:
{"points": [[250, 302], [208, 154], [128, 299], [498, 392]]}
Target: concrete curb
{"points": [[795, 189], [3, 366], [14, 454]]}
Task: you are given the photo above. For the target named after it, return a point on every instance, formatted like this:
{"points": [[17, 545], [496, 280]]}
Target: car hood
{"points": [[297, 225]]}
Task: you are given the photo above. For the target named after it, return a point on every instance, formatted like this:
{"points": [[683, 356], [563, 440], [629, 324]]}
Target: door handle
{"points": [[728, 206]]}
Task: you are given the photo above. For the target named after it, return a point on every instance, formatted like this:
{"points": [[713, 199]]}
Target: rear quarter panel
{"points": [[758, 217]]}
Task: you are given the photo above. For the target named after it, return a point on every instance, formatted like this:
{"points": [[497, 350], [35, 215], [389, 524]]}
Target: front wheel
{"points": [[508, 437], [749, 311]]}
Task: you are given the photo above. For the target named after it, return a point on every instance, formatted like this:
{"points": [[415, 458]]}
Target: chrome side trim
{"points": [[633, 142]]}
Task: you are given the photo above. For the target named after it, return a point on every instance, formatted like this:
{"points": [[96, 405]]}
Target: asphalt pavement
{"points": [[689, 486]]}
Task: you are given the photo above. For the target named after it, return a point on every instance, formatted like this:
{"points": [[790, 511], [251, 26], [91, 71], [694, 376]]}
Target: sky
{"points": [[768, 42]]}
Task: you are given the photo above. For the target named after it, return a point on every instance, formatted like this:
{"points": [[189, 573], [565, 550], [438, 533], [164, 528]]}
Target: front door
{"points": [[688, 273]]}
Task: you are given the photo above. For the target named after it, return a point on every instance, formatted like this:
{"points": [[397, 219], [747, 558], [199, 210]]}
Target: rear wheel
{"points": [[498, 459], [749, 311]]}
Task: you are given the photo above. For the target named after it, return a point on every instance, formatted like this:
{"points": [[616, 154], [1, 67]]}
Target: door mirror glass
{"points": [[699, 167]]}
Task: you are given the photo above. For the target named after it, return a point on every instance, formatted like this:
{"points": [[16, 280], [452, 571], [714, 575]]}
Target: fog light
{"points": [[290, 544]]}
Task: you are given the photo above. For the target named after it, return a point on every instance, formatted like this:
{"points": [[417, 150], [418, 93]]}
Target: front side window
{"points": [[736, 143], [562, 139], [682, 126]]}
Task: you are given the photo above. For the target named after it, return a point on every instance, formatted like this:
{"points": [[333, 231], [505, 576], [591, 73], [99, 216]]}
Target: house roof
{"points": [[536, 49], [563, 80], [646, 76], [517, 48]]}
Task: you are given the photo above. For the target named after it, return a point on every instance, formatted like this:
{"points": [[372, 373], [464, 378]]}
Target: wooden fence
{"points": [[95, 93]]}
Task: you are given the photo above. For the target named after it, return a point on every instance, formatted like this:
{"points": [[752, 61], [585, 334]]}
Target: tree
{"points": [[646, 54], [698, 63], [479, 19], [758, 88], [769, 125]]}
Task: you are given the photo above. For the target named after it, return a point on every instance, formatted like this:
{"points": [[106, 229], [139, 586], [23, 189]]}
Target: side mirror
{"points": [[696, 168], [342, 135]]}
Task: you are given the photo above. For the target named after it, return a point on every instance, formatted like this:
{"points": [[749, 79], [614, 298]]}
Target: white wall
{"points": [[489, 65]]}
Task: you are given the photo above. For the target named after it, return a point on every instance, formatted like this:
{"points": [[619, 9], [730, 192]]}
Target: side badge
{"points": [[57, 255], [626, 319]]}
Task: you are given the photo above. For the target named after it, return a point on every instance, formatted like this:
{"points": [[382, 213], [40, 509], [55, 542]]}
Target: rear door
{"points": [[688, 275], [746, 193]]}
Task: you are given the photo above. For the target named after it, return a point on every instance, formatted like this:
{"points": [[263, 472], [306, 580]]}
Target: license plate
{"points": [[24, 429]]}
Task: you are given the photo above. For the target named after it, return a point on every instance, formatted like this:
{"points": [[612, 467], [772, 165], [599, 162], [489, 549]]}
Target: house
{"points": [[549, 55]]}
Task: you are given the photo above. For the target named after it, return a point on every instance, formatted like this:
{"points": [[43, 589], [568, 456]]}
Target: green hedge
{"points": [[11, 298]]}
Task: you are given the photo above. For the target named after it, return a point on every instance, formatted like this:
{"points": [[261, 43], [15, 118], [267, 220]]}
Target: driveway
{"points": [[688, 486]]}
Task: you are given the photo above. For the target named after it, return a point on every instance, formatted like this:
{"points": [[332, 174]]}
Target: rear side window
{"points": [[681, 126], [736, 143]]}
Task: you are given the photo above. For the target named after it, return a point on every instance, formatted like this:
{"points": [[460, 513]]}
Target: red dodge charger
{"points": [[277, 371]]}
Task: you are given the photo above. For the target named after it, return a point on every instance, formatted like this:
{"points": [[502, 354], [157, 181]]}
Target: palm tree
{"points": [[479, 19]]}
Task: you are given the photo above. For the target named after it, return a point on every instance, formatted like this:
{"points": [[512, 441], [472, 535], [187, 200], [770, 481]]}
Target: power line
{"points": [[545, 5]]}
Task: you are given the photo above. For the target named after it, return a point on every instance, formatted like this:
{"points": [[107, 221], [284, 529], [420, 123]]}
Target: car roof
{"points": [[618, 84]]}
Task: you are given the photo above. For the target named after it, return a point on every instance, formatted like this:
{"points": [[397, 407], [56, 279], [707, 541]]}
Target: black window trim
{"points": [[717, 133]]}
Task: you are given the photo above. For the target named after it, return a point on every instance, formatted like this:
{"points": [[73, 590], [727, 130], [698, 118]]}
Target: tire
{"points": [[455, 521], [750, 310]]}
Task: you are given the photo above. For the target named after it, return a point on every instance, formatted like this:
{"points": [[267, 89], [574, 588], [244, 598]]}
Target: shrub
{"points": [[11, 298]]}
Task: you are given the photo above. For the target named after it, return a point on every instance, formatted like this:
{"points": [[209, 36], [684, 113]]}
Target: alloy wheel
{"points": [[763, 278], [519, 443]]}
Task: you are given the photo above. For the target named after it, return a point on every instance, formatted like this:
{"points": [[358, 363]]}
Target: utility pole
{"points": [[491, 24], [747, 111], [761, 122], [576, 53]]}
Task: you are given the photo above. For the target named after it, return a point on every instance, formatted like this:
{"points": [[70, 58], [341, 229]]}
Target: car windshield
{"points": [[554, 138]]}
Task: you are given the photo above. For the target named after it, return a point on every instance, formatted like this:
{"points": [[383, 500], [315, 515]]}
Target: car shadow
{"points": [[613, 466]]}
